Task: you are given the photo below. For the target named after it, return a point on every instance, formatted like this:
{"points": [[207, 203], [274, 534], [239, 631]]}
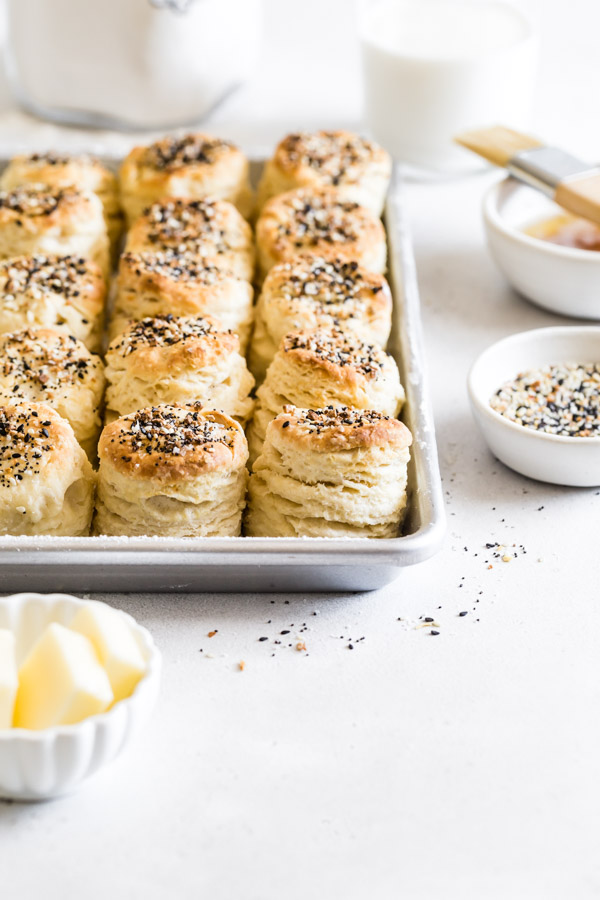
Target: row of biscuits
{"points": [[328, 455]]}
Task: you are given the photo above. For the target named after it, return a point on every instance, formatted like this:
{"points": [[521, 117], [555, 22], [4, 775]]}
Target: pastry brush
{"points": [[570, 182]]}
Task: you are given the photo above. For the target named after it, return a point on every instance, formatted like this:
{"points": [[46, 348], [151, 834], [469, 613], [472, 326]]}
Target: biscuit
{"points": [[156, 284], [330, 473], [39, 365], [318, 221], [312, 292], [65, 293], [194, 166], [177, 360], [81, 171], [359, 168], [202, 229], [322, 368], [176, 471], [46, 480], [39, 219]]}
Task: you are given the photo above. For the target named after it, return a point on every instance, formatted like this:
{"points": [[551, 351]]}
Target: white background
{"points": [[459, 766]]}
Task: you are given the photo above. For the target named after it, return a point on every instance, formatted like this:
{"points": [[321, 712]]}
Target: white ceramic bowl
{"points": [[545, 457], [37, 765], [564, 280]]}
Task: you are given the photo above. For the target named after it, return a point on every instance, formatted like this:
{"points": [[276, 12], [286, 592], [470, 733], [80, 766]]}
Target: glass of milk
{"points": [[129, 63], [434, 68]]}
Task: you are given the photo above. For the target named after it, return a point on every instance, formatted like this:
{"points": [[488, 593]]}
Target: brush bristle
{"points": [[498, 144]]}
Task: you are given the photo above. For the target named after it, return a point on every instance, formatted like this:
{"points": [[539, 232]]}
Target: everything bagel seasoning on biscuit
{"points": [[327, 282], [175, 153], [317, 420], [176, 266], [170, 432], [333, 154], [46, 361], [164, 331], [33, 199], [315, 218], [43, 275], [23, 443], [338, 349], [182, 224]]}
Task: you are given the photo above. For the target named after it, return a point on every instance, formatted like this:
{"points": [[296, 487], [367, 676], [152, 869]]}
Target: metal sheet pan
{"points": [[268, 564]]}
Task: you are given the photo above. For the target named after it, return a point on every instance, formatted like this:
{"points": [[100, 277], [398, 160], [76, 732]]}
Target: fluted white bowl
{"points": [[38, 765]]}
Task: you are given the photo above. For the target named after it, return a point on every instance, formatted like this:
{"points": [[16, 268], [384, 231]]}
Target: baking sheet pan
{"points": [[268, 564]]}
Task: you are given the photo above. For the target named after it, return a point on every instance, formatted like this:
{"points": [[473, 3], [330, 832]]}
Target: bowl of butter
{"points": [[78, 679]]}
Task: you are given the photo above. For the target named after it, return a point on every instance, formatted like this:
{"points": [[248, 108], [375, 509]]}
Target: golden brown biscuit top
{"points": [[33, 200], [44, 360], [309, 216], [334, 350], [169, 331], [337, 156], [173, 442], [80, 170], [52, 158], [181, 224], [340, 428], [28, 433], [172, 153], [174, 266], [38, 274], [323, 282]]}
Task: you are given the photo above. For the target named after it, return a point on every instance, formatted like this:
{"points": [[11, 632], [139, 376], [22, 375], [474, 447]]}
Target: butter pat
{"points": [[115, 644], [61, 681], [8, 677]]}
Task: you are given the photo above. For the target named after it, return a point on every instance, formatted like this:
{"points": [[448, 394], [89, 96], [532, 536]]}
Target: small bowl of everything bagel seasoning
{"points": [[536, 398]]}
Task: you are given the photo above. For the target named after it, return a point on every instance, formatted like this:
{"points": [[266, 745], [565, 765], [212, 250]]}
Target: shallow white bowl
{"points": [[564, 280], [545, 457], [37, 765]]}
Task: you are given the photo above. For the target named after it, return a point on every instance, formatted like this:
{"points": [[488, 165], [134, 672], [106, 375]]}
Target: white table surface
{"points": [[463, 765]]}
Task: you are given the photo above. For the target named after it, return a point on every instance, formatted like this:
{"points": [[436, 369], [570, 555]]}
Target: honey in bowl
{"points": [[568, 231]]}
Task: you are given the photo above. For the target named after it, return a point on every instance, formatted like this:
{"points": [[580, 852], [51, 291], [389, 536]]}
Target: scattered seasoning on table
{"points": [[464, 612], [212, 633], [434, 633], [504, 552], [562, 399], [241, 665]]}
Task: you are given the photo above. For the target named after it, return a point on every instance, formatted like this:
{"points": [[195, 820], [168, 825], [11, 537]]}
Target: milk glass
{"points": [[434, 68]]}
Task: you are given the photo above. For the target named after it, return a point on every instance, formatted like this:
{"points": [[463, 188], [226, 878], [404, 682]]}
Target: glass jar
{"points": [[436, 68], [129, 63]]}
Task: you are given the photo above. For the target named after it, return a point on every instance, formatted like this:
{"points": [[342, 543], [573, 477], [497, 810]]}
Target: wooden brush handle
{"points": [[581, 196]]}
